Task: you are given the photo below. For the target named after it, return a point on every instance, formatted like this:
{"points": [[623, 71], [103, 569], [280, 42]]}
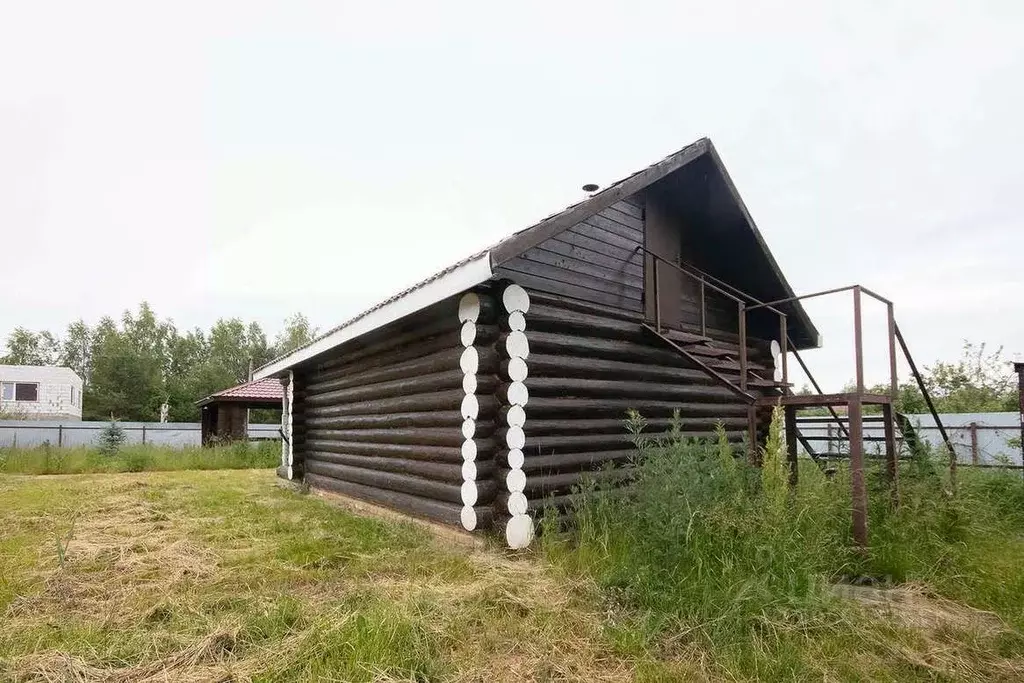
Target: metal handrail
{"points": [[680, 268], [741, 301]]}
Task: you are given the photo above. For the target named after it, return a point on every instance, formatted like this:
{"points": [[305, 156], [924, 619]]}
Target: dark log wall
{"points": [[381, 420], [588, 365], [596, 260]]}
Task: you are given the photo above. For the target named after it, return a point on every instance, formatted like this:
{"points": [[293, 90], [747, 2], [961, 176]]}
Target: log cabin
{"points": [[486, 392]]}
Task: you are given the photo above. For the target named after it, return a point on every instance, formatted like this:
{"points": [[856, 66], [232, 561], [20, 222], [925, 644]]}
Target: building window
{"points": [[19, 391]]}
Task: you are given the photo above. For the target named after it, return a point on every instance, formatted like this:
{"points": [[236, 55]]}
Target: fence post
{"points": [[974, 443], [143, 433], [60, 436]]}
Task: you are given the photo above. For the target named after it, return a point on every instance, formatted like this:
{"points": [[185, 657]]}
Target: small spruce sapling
{"points": [[111, 439]]}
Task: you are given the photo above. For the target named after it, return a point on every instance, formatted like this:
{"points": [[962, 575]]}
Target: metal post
{"points": [[703, 311], [860, 498], [893, 381], [657, 297], [143, 433], [858, 341], [790, 417], [60, 436], [784, 346], [742, 310], [974, 443], [891, 461]]}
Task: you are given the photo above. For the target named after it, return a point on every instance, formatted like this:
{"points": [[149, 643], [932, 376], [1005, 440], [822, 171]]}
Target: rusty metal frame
{"points": [[854, 401], [931, 406]]}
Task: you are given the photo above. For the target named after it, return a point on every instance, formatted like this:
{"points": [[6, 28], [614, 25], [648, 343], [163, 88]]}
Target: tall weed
{"points": [[702, 547]]}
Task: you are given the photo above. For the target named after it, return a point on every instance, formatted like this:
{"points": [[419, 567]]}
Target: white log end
{"points": [[517, 321], [468, 428], [469, 450], [468, 333], [469, 384], [515, 480], [517, 394], [468, 518], [470, 361], [516, 416], [515, 458], [517, 504], [515, 437], [470, 407], [515, 298], [517, 346], [469, 493], [469, 470], [517, 370], [519, 531], [469, 307]]}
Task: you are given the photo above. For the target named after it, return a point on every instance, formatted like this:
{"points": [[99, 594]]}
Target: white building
{"points": [[32, 392]]}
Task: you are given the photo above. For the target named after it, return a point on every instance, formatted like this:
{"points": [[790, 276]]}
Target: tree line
{"points": [[131, 366]]}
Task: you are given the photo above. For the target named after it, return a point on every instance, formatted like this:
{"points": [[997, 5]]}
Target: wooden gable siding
{"points": [[380, 419], [596, 260], [599, 261]]}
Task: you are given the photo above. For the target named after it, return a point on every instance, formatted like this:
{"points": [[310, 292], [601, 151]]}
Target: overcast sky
{"points": [[255, 159]]}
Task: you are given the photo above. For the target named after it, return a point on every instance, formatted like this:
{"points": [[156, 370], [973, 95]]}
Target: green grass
{"points": [[137, 458], [708, 570], [198, 575], [714, 556]]}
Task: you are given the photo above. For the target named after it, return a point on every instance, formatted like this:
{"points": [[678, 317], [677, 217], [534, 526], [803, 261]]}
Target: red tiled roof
{"points": [[269, 389]]}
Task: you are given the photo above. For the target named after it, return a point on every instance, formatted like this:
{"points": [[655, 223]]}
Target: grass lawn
{"points": [[216, 574], [221, 575]]}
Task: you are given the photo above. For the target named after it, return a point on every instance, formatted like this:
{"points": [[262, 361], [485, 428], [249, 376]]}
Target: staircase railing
{"points": [[704, 282], [745, 303]]}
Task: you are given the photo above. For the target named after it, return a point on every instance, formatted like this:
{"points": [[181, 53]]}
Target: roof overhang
{"points": [[250, 402], [469, 273]]}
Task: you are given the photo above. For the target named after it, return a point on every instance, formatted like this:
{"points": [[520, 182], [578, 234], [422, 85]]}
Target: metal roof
{"points": [[268, 390]]}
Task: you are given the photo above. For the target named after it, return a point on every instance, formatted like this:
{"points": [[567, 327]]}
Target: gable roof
{"points": [[479, 267]]}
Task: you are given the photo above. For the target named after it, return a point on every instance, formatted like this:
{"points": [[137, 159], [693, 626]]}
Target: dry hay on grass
{"points": [[205, 660], [117, 555], [540, 626], [913, 606], [941, 630]]}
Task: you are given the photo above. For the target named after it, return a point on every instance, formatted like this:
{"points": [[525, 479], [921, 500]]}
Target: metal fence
{"points": [[981, 439], [28, 433]]}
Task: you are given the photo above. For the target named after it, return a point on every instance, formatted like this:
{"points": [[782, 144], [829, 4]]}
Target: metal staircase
{"points": [[763, 388]]}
